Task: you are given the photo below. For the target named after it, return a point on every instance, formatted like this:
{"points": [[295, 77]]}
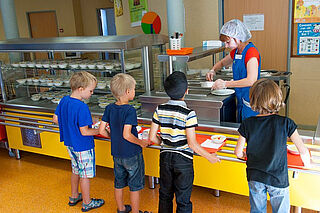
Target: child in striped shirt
{"points": [[178, 140]]}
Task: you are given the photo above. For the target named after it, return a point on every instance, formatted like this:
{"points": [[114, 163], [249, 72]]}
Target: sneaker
{"points": [[74, 201], [126, 210], [94, 203]]}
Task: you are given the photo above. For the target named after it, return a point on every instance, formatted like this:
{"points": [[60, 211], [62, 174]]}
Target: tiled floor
{"points": [[38, 183]]}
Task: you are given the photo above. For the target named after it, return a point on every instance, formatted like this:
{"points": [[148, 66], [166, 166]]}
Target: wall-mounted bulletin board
{"points": [[306, 28]]}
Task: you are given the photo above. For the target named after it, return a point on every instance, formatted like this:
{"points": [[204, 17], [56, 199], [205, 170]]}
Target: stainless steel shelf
{"points": [[82, 43]]}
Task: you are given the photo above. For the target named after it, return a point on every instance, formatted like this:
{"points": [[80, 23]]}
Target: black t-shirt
{"points": [[266, 138]]}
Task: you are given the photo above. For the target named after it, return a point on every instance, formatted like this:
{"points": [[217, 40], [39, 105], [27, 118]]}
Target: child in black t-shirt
{"points": [[266, 136]]}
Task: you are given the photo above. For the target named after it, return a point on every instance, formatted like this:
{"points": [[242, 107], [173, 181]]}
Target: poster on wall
{"points": [[308, 38], [137, 9], [254, 22], [118, 8], [307, 11]]}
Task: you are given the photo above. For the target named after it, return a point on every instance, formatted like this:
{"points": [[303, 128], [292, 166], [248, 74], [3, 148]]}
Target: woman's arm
{"points": [[239, 148], [224, 62]]}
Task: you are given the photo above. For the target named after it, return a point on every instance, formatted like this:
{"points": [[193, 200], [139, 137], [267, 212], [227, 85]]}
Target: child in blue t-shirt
{"points": [[74, 119], [266, 136], [125, 145]]}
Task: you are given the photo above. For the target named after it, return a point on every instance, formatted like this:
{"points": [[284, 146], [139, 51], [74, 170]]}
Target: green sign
{"points": [[137, 9]]}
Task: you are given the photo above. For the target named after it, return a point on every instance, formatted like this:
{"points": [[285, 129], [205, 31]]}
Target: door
{"points": [[43, 25], [272, 42], [107, 27]]}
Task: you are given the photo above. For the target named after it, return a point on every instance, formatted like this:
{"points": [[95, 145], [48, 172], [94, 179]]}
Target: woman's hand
{"points": [[210, 74], [219, 84]]}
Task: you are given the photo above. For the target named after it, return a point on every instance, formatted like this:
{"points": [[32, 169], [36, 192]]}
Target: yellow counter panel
{"points": [[227, 175]]}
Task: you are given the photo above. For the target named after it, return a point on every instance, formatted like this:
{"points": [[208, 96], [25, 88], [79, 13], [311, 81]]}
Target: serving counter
{"points": [[229, 175]]}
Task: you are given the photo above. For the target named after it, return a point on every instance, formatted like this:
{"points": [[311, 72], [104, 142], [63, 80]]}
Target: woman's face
{"points": [[231, 43]]}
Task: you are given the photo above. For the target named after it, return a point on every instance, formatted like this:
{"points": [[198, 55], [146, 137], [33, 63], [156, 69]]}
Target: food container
{"points": [[129, 66], [108, 66], [63, 65], [218, 138], [31, 64], [39, 65], [100, 66], [207, 84], [83, 66], [36, 97], [42, 80], [21, 81], [101, 84], [58, 83], [50, 96], [103, 105], [137, 65], [56, 100], [293, 149], [54, 65], [50, 83], [91, 66], [74, 66], [23, 64], [36, 79], [46, 65]]}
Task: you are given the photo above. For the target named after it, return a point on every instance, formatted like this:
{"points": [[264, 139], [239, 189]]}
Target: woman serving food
{"points": [[246, 65]]}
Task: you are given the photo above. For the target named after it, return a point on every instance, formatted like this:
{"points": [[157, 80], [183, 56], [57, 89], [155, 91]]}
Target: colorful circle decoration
{"points": [[151, 23]]}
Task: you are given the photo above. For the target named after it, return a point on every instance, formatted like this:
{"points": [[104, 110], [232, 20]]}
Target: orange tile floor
{"points": [[39, 183]]}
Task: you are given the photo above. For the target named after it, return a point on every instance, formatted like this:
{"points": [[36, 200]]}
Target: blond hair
{"points": [[120, 83], [265, 97], [81, 79]]}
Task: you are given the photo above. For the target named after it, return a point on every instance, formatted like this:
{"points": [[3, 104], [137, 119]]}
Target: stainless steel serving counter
{"points": [[208, 107]]}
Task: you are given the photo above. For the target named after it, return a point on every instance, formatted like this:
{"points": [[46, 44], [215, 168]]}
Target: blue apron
{"points": [[240, 72]]}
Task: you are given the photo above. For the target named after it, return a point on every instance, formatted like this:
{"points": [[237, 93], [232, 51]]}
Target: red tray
{"points": [[294, 161], [183, 51]]}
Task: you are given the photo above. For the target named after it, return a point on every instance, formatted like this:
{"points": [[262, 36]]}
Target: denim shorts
{"points": [[279, 198], [83, 163], [129, 172]]}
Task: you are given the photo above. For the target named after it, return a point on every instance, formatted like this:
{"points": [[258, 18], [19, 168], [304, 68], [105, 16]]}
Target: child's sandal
{"points": [[94, 203], [74, 201], [126, 210]]}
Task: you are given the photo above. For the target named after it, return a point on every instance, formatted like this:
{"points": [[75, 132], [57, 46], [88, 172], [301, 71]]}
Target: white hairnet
{"points": [[236, 29]]}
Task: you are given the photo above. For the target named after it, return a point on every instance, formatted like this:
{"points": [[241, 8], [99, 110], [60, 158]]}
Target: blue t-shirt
{"points": [[117, 116], [72, 114]]}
